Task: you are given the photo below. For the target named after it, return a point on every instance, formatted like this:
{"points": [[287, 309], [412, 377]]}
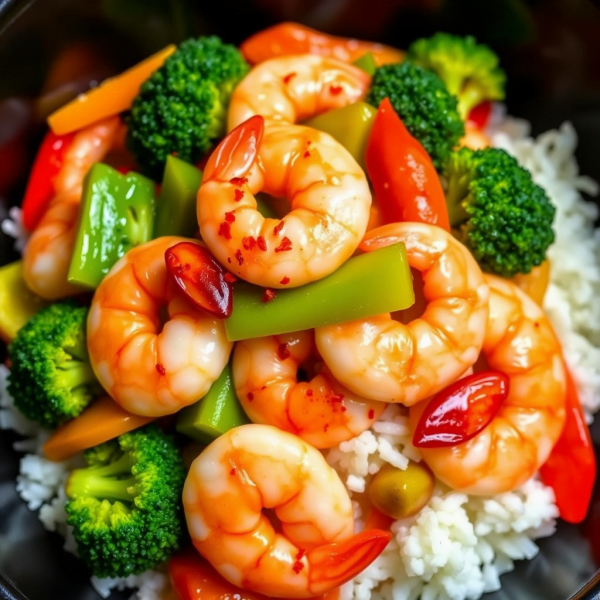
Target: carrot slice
{"points": [[112, 97], [102, 421]]}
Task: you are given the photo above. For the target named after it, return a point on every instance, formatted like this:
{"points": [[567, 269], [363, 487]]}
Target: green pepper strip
{"points": [[366, 285], [367, 63], [215, 414], [116, 214], [176, 206], [350, 126]]}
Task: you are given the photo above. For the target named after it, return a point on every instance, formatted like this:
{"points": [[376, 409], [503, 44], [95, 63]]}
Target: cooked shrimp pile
{"points": [[262, 505]]}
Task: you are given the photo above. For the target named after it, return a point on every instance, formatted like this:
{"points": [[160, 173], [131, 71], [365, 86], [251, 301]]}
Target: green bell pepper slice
{"points": [[369, 284], [367, 63], [215, 414], [116, 214], [176, 206], [350, 126]]}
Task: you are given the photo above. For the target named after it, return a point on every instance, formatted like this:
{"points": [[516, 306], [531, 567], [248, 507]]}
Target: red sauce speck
{"points": [[260, 242], [230, 277], [160, 369], [238, 180], [337, 397], [225, 230], [286, 244], [229, 217], [264, 387], [248, 242], [285, 280], [229, 260], [278, 227], [301, 553], [232, 472], [307, 154], [239, 257], [371, 413], [268, 295], [283, 351], [298, 566], [238, 195], [250, 396], [309, 392], [288, 77], [336, 89]]}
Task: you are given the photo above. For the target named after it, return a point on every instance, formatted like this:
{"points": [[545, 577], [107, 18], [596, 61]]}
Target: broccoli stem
{"points": [[457, 196], [76, 373]]}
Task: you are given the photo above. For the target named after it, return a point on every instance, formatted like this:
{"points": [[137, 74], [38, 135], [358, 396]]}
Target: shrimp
{"points": [[293, 38], [47, 256], [256, 467], [519, 341], [294, 88], [329, 196], [389, 361], [321, 411], [150, 368]]}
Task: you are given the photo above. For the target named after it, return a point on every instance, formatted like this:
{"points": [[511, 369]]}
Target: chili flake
{"points": [[238, 195], [283, 351], [286, 244], [268, 295], [225, 230]]}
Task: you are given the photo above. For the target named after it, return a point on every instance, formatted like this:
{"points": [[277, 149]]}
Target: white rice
{"points": [[13, 226], [457, 547]]}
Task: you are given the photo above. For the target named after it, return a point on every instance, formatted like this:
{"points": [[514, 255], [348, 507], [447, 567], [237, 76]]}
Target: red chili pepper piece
{"points": [[201, 277], [571, 467], [460, 411], [40, 187], [480, 114], [406, 184]]}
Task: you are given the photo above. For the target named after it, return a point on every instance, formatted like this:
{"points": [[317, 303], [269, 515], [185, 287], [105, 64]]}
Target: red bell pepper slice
{"points": [[195, 579], [405, 182], [40, 187], [571, 467], [480, 114], [460, 411]]}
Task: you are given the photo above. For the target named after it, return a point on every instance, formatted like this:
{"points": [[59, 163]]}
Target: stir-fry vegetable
{"points": [[182, 108], [51, 379], [213, 415], [469, 70], [571, 467], [116, 214], [17, 302], [100, 422], [497, 211], [176, 206], [40, 187], [460, 411], [367, 63], [125, 507], [425, 106], [345, 295], [111, 98], [406, 184]]}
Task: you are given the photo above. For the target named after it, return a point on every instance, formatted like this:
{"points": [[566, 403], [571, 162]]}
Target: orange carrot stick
{"points": [[112, 97]]}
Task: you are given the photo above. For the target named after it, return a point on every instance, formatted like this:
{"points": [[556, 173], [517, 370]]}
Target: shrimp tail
{"points": [[236, 153], [334, 564]]}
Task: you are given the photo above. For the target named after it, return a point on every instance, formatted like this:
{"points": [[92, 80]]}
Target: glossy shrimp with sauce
{"points": [[253, 468], [519, 341], [320, 411], [48, 253], [386, 360], [328, 191], [152, 363]]}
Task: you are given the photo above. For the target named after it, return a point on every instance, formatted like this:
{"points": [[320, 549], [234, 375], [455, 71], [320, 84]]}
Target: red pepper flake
{"points": [[238, 180], [309, 392], [288, 77], [161, 370], [283, 351], [337, 397], [229, 217], [229, 260], [308, 142], [278, 227], [343, 409], [298, 566], [225, 230], [301, 554], [230, 277], [307, 154], [248, 242], [250, 396], [232, 472], [239, 257], [371, 413], [260, 242], [268, 295], [285, 280], [336, 89], [264, 387], [326, 427], [286, 244], [238, 195]]}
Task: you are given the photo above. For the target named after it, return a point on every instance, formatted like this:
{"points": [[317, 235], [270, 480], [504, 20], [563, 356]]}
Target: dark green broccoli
{"points": [[181, 109], [51, 379], [469, 70], [423, 103], [125, 507], [497, 211]]}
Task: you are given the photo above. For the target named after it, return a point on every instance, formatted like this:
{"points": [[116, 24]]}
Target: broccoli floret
{"points": [[182, 108], [469, 70], [423, 103], [51, 379], [125, 507], [497, 211]]}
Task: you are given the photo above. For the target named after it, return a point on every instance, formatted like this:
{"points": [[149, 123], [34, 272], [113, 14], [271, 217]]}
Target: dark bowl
{"points": [[550, 49]]}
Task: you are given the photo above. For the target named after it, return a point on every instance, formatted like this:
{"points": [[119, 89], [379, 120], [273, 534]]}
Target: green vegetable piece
{"points": [[366, 285], [117, 213], [176, 207], [215, 414], [350, 125], [367, 63]]}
